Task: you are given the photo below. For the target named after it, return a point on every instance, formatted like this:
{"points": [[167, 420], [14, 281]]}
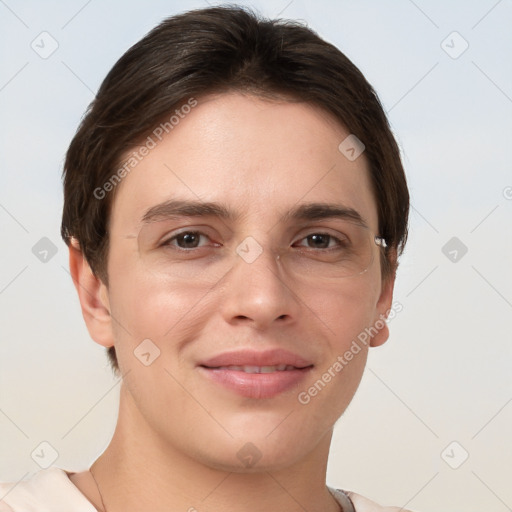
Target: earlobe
{"points": [[381, 337], [93, 296], [383, 307]]}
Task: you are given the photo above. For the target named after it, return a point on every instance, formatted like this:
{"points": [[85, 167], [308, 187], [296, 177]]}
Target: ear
{"points": [[383, 307], [93, 296]]}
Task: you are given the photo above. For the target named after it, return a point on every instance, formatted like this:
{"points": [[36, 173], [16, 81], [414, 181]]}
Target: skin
{"points": [[177, 437]]}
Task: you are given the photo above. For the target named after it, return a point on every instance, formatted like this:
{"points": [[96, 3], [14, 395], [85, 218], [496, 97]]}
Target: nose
{"points": [[257, 293]]}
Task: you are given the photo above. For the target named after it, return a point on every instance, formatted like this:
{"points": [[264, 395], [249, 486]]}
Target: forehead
{"points": [[260, 158]]}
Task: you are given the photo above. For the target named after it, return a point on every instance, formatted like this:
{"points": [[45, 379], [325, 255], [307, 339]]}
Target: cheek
{"points": [[147, 306], [342, 317], [346, 309], [343, 313], [168, 316]]}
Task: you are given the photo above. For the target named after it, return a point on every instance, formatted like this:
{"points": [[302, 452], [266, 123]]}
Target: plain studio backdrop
{"points": [[430, 425]]}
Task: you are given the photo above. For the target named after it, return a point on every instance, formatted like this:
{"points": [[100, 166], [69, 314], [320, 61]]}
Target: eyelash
{"points": [[168, 242]]}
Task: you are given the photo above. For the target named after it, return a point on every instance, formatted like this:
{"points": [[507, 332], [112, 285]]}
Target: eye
{"points": [[320, 241], [186, 240]]}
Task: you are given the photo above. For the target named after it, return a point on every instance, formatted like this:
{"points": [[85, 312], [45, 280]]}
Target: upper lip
{"points": [[253, 357]]}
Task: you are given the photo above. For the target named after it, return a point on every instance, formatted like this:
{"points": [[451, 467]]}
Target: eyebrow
{"points": [[309, 211], [321, 211], [174, 208]]}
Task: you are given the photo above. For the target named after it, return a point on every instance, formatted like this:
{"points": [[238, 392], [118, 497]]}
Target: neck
{"points": [[139, 471]]}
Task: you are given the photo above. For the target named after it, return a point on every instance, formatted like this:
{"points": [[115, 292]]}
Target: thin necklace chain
{"points": [[103, 503], [98, 487]]}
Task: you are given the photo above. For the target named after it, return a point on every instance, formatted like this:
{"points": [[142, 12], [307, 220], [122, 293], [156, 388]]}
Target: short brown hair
{"points": [[216, 50]]}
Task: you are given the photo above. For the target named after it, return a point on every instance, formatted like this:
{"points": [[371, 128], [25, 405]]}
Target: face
{"points": [[228, 253]]}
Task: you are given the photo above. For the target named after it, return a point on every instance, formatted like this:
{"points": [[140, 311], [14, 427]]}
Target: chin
{"points": [[262, 462], [259, 452]]}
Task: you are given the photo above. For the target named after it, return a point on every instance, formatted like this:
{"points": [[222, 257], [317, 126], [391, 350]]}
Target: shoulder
{"points": [[49, 490], [363, 504], [353, 502]]}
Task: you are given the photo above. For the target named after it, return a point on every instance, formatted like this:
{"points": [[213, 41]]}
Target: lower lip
{"points": [[256, 385]]}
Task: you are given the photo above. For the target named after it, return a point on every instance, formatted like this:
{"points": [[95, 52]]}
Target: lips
{"points": [[259, 369], [256, 374], [275, 357]]}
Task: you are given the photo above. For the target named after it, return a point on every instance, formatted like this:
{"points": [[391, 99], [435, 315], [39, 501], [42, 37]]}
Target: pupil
{"points": [[189, 239], [320, 240]]}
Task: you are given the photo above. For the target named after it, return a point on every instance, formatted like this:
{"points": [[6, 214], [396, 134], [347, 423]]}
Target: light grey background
{"points": [[443, 376]]}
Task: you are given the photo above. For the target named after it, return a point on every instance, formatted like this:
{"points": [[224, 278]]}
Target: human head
{"points": [[215, 50]]}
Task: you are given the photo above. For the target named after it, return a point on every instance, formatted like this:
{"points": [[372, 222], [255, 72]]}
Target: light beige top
{"points": [[51, 490]]}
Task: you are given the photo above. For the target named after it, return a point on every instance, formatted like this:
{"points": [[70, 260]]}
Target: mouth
{"points": [[256, 374], [256, 369]]}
